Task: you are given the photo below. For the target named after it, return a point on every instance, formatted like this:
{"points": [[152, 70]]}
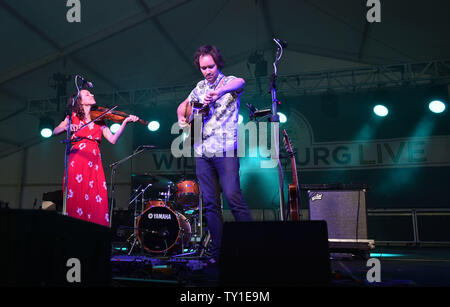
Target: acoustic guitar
{"points": [[197, 109], [294, 191]]}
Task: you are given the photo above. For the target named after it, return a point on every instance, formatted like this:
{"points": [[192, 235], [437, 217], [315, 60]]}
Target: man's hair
{"points": [[213, 51]]}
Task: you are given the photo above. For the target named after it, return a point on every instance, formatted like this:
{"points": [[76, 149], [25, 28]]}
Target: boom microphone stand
{"points": [[272, 116], [276, 119], [68, 141], [114, 166]]}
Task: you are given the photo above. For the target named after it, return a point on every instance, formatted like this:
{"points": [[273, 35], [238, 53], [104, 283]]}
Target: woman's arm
{"points": [[113, 138], [63, 127]]}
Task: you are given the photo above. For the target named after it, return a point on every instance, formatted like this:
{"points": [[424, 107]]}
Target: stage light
{"points": [[153, 125], [385, 255], [241, 119], [114, 128], [46, 132], [283, 117], [46, 126], [436, 106], [380, 110]]}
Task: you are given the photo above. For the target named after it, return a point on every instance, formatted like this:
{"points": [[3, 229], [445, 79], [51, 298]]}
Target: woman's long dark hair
{"points": [[79, 112]]}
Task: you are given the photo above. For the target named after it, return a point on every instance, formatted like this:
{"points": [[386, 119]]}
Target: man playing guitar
{"points": [[216, 146]]}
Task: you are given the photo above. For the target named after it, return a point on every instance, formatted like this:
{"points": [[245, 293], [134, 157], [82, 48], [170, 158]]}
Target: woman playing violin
{"points": [[87, 196]]}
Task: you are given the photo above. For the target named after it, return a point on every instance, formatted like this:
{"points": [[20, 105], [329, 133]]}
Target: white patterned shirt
{"points": [[220, 126]]}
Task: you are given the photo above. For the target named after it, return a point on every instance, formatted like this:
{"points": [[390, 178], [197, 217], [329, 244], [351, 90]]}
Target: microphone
{"points": [[283, 44], [85, 82]]}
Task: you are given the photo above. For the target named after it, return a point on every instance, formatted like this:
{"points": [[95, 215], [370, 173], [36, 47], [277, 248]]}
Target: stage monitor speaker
{"points": [[343, 207], [274, 254], [44, 248]]}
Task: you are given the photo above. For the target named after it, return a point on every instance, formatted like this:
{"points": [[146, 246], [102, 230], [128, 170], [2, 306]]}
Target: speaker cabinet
{"points": [[38, 245], [343, 207], [385, 226], [274, 253], [433, 226]]}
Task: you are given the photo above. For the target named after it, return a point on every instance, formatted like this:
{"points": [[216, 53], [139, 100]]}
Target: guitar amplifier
{"points": [[342, 206]]}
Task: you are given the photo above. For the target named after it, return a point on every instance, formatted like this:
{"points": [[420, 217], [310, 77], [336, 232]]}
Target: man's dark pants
{"points": [[224, 170]]}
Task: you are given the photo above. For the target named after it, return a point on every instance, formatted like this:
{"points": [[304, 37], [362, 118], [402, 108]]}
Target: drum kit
{"points": [[167, 215]]}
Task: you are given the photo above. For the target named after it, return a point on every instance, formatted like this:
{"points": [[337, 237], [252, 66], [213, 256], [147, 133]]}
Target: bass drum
{"points": [[158, 203], [160, 230]]}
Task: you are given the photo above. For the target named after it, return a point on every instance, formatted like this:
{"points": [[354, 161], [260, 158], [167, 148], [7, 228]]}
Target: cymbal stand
{"points": [[135, 217], [166, 194]]}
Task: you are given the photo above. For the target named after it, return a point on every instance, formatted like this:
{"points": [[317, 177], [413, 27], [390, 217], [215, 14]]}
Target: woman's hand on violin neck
{"points": [[131, 118]]}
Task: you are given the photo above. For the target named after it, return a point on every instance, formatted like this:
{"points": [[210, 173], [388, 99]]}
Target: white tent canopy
{"points": [[136, 44]]}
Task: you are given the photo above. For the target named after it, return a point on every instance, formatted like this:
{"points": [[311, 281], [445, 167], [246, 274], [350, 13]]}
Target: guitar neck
{"points": [[294, 171]]}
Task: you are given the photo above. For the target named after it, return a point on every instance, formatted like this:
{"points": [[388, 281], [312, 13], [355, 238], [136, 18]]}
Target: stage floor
{"points": [[400, 266]]}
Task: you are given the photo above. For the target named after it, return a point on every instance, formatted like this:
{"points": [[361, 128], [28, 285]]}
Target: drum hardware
{"points": [[205, 244], [160, 229], [135, 215], [197, 221], [200, 241], [168, 194]]}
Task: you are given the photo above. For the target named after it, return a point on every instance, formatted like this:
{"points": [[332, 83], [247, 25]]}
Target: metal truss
{"points": [[308, 83]]}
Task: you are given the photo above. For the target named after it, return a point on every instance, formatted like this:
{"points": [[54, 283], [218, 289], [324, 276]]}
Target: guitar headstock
{"points": [[287, 143]]}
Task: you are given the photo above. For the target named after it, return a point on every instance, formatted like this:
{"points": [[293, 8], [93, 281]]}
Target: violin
{"points": [[115, 116]]}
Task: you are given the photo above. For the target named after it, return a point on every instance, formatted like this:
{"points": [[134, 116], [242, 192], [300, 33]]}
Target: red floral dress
{"points": [[87, 195]]}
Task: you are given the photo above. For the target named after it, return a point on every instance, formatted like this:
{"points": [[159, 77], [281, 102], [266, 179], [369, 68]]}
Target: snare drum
{"points": [[161, 229], [188, 194]]}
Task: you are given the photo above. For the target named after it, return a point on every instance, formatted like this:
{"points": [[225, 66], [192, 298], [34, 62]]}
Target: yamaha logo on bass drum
{"points": [[159, 216]]}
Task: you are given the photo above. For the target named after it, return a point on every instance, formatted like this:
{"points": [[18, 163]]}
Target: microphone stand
{"points": [[271, 115], [68, 144], [113, 167], [276, 119]]}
